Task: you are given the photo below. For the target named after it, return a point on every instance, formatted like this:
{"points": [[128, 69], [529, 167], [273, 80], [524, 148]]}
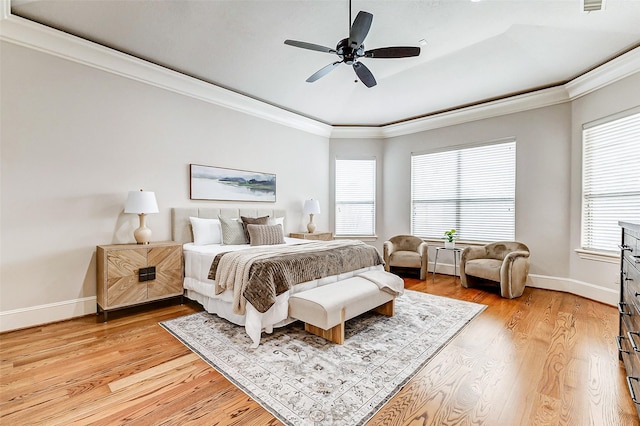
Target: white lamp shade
{"points": [[141, 202], [312, 206]]}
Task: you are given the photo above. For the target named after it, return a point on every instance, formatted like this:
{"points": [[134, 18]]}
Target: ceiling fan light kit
{"points": [[350, 49]]}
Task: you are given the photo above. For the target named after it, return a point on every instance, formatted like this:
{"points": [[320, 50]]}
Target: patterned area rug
{"points": [[305, 380]]}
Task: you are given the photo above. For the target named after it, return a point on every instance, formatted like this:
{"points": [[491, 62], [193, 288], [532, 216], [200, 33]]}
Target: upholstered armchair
{"points": [[406, 251], [505, 262]]}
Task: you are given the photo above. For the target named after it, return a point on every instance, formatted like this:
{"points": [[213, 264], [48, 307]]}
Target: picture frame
{"points": [[224, 184]]}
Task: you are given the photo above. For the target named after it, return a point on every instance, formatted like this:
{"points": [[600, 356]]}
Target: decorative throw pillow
{"points": [[277, 221], [232, 231], [262, 235], [206, 231], [253, 221]]}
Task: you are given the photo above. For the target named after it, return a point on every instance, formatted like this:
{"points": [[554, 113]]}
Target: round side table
{"points": [[456, 253]]}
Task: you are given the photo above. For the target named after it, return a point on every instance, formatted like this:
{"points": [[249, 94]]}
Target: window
{"points": [[471, 190], [610, 179], [355, 197]]}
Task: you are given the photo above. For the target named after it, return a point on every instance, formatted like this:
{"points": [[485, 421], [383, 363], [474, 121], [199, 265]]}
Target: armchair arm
{"points": [[512, 256], [513, 273], [387, 249], [423, 249]]}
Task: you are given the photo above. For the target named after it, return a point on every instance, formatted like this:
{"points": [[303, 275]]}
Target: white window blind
{"points": [[355, 194], [471, 190], [610, 179]]}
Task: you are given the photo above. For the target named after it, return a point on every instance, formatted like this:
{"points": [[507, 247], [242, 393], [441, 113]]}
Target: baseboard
{"points": [[444, 268], [567, 285], [43, 314], [579, 288]]}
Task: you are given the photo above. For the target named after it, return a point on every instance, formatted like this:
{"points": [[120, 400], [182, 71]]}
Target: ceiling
{"points": [[474, 51]]}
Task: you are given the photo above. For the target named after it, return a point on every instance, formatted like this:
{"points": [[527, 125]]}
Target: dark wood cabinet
{"points": [[628, 339]]}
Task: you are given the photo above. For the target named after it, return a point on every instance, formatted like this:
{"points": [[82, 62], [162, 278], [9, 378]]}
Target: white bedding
{"points": [[197, 261]]}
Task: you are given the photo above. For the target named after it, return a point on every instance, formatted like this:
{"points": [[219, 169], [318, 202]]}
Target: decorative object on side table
{"points": [[142, 203], [449, 239], [311, 207]]}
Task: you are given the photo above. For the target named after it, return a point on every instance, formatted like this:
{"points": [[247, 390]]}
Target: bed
{"points": [[221, 297]]}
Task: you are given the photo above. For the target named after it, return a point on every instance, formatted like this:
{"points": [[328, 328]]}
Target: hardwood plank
{"points": [[151, 372], [544, 358]]}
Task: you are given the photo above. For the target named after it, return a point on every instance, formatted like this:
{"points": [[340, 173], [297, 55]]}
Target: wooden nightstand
{"points": [[323, 236], [131, 274]]}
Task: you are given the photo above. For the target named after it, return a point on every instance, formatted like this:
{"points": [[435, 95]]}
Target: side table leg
{"points": [[435, 263], [455, 265]]}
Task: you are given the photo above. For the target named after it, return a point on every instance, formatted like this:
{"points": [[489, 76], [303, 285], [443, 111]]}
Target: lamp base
{"points": [[311, 227], [142, 234]]}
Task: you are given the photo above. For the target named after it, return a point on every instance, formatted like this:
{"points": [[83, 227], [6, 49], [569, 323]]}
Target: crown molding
{"points": [[358, 132], [23, 32], [616, 69]]}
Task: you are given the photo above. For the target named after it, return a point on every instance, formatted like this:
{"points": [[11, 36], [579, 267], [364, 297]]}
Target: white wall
{"points": [[75, 139]]}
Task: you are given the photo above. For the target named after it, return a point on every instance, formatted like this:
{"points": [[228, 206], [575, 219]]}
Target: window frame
{"points": [[374, 202], [588, 250], [457, 200]]}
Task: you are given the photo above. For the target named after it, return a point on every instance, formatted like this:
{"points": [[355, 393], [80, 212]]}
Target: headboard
{"points": [[181, 226]]}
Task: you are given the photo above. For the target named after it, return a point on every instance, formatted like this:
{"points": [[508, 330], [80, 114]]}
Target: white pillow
{"points": [[206, 231], [277, 221]]}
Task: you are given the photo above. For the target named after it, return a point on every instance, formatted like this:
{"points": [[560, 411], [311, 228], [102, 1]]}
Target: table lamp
{"points": [[311, 207], [142, 203]]}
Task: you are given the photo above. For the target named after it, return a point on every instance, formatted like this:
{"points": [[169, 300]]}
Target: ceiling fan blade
{"points": [[310, 46], [393, 52], [323, 71], [360, 29], [364, 74]]}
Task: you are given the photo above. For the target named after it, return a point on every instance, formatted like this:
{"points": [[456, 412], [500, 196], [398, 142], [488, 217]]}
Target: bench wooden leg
{"points": [[334, 334], [386, 309]]}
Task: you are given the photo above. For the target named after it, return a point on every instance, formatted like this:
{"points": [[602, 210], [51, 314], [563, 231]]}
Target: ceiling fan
{"points": [[350, 49]]}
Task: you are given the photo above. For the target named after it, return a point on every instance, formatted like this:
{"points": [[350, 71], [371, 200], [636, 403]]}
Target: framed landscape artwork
{"points": [[218, 183]]}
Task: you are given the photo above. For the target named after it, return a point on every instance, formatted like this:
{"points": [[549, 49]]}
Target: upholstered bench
{"points": [[324, 309]]}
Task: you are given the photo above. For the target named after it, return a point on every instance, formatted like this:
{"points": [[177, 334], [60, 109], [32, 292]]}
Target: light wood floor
{"points": [[547, 358]]}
